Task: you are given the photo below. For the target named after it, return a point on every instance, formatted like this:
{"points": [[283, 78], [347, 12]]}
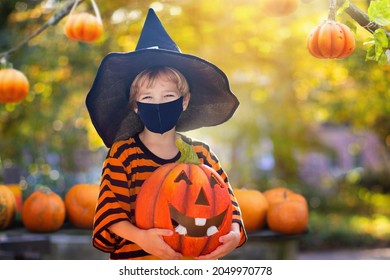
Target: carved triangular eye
{"points": [[214, 181], [202, 199], [183, 176]]}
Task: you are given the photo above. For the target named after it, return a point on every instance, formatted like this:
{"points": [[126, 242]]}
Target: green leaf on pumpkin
{"points": [[188, 155]]}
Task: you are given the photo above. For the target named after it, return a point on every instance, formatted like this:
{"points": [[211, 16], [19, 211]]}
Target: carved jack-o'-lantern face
{"points": [[190, 199]]}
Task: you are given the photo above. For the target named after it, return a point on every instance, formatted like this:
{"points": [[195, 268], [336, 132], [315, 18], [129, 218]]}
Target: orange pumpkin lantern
{"points": [[80, 204], [83, 27], [43, 211], [14, 85], [330, 39], [190, 199], [290, 215], [7, 207], [254, 206]]}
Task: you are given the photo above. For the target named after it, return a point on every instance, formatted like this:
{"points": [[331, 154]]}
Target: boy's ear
{"points": [[134, 108], [186, 101]]}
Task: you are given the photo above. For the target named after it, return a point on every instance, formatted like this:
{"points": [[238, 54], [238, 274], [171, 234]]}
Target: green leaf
{"points": [[379, 12], [342, 8], [381, 39], [382, 59], [371, 53], [351, 26], [377, 51], [188, 155]]}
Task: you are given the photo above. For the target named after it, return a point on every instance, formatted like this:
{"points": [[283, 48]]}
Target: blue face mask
{"points": [[160, 118]]}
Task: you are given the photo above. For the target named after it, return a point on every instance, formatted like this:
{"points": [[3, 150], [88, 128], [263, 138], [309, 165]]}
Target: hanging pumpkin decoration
{"points": [[14, 85], [80, 204], [192, 200], [253, 206], [7, 207], [43, 211], [288, 214], [331, 39], [279, 8], [84, 26]]}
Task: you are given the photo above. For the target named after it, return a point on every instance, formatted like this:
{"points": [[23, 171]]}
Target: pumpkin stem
{"points": [[285, 195], [45, 189], [4, 64], [332, 10], [188, 155]]}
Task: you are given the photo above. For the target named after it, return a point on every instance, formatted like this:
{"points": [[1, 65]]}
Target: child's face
{"points": [[159, 118], [161, 91]]}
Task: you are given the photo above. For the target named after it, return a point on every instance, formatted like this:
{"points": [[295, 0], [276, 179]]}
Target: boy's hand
{"points": [[152, 242], [229, 242]]}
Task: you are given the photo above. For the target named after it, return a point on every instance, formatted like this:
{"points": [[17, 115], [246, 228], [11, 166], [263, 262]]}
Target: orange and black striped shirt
{"points": [[127, 165]]}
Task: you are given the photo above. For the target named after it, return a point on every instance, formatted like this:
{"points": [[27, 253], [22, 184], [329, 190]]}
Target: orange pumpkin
{"points": [[83, 27], [14, 85], [7, 207], [253, 206], [190, 199], [43, 211], [80, 203], [289, 215], [278, 8], [276, 194], [330, 39]]}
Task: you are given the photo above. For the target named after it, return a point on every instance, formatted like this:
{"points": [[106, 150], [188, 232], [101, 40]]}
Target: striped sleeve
{"points": [[207, 157], [112, 206]]}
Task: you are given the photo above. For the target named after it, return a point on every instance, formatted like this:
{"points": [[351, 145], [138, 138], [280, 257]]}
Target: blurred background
{"points": [[320, 127]]}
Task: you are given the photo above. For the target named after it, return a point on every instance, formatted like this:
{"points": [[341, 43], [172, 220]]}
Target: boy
{"points": [[144, 139]]}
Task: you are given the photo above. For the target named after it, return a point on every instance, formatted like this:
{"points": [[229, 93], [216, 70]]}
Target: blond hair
{"points": [[150, 75]]}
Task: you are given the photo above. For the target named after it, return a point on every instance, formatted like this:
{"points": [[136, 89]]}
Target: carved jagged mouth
{"points": [[195, 227]]}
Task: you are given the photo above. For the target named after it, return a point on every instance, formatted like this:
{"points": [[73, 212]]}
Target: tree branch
{"points": [[65, 10], [360, 17]]}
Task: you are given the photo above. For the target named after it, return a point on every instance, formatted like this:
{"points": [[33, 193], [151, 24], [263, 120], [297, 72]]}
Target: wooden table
{"points": [[267, 245], [65, 244], [70, 243]]}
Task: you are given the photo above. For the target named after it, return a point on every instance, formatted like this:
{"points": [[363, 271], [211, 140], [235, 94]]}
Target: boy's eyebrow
{"points": [[143, 93]]}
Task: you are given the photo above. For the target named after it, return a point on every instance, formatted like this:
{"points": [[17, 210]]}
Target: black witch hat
{"points": [[211, 103]]}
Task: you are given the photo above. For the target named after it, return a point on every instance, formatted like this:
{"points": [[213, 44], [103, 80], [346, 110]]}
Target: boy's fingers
{"points": [[164, 232]]}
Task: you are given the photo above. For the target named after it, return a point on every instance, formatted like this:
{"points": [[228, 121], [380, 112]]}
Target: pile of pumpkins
{"points": [[46, 211], [279, 209]]}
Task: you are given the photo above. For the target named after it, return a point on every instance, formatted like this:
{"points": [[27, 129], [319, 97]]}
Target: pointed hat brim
{"points": [[212, 102]]}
